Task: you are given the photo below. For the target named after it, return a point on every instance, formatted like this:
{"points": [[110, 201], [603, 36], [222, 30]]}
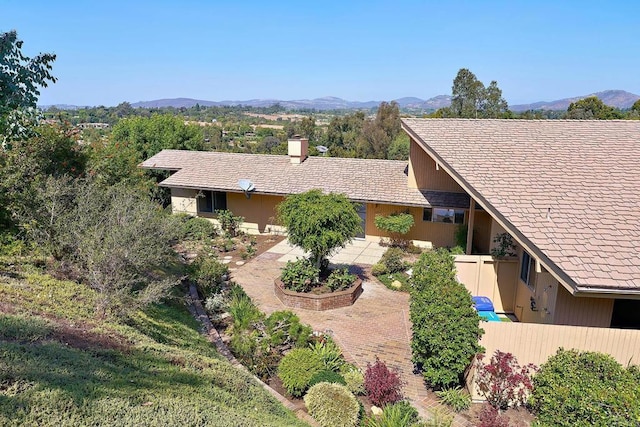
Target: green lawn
{"points": [[59, 366]]}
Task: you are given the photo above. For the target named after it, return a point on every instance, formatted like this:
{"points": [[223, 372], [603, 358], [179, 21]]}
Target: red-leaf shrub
{"points": [[491, 417], [503, 382], [382, 385]]}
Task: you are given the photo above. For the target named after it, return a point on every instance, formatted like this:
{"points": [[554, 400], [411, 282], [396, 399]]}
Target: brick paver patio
{"points": [[376, 325]]}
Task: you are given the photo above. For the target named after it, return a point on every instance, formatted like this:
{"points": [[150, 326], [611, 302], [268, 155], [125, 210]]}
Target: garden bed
{"points": [[318, 302]]}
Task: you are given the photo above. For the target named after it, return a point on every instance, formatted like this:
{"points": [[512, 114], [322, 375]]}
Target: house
{"points": [[568, 192]]}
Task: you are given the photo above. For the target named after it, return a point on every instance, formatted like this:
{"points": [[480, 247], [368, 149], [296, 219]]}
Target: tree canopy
{"points": [[472, 100], [592, 107], [20, 79], [319, 223]]}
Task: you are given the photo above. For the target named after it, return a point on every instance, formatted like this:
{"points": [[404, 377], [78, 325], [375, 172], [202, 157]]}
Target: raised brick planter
{"points": [[318, 302]]}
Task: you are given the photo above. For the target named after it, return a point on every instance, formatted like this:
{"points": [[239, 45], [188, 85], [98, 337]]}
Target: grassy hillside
{"points": [[59, 366]]}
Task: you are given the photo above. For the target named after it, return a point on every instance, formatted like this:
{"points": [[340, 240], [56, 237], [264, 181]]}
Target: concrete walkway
{"points": [[376, 325]]}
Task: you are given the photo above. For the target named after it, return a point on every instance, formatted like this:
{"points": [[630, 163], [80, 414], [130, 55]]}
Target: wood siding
{"points": [[572, 310], [535, 343], [259, 211], [423, 174], [484, 275]]}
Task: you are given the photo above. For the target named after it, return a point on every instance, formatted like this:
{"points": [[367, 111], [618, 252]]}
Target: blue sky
{"points": [[114, 51]]}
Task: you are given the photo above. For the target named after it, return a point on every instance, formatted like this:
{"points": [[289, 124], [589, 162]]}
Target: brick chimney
{"points": [[298, 149]]}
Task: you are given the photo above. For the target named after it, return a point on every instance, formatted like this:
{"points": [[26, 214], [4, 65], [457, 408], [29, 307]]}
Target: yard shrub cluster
{"points": [[392, 261], [300, 275], [400, 414], [194, 228], [383, 385], [297, 368], [259, 341], [575, 388], [445, 326], [503, 382], [332, 405], [455, 397], [229, 223], [329, 353], [490, 416], [340, 279], [209, 274], [327, 376]]}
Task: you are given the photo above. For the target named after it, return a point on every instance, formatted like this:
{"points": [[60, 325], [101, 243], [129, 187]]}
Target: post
{"points": [[472, 214]]}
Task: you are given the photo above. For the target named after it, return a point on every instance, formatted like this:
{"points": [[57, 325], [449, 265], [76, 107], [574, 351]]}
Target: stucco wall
{"points": [[184, 201]]}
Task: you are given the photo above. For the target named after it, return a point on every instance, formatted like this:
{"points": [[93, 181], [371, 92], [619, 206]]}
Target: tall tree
{"points": [[468, 95], [20, 78], [494, 106]]}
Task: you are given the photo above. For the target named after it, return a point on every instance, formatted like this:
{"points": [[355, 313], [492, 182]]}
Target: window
{"points": [[211, 201], [526, 268], [451, 216]]}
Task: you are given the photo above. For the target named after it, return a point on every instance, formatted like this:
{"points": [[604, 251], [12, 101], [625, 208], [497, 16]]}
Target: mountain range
{"points": [[614, 98]]}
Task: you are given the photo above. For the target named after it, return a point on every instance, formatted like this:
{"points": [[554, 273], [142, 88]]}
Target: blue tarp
{"points": [[489, 316]]}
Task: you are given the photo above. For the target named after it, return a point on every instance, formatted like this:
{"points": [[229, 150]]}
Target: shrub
{"points": [[216, 303], [445, 325], [193, 228], [460, 235], [300, 275], [383, 385], [397, 225], [332, 405], [503, 382], [229, 223], [340, 279], [354, 380], [392, 260], [400, 414], [378, 269], [327, 377], [297, 368], [491, 417], [585, 388], [330, 354], [285, 330], [439, 418], [209, 273], [457, 398], [244, 312]]}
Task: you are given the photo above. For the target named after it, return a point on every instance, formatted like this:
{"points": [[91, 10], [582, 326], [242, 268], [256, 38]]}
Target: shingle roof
{"points": [[377, 181], [584, 174]]}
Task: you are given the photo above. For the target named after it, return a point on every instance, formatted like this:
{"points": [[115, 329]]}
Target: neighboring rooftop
{"points": [[570, 187], [371, 180]]}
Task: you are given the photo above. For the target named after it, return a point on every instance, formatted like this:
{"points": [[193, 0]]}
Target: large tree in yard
{"points": [[20, 77], [319, 223]]}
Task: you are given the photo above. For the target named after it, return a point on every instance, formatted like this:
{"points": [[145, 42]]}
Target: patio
{"points": [[376, 325]]}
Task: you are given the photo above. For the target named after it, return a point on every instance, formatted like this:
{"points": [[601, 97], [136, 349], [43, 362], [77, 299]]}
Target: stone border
{"points": [[320, 302]]}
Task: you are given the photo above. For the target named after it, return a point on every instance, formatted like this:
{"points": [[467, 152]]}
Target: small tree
{"points": [[383, 385], [503, 382], [319, 223], [396, 225], [445, 325]]}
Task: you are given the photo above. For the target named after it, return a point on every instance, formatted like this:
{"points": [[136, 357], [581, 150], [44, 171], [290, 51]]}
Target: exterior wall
{"points": [[423, 174], [484, 275], [259, 211], [423, 233], [184, 201], [583, 311]]}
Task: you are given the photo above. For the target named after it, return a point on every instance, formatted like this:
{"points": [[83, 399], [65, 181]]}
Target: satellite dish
{"points": [[322, 149], [247, 186]]}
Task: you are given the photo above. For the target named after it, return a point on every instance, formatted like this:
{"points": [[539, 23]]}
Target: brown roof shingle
{"points": [[583, 175], [377, 181]]}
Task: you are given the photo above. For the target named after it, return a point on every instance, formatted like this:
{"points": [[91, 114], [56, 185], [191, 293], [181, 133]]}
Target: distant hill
{"points": [[613, 98]]}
